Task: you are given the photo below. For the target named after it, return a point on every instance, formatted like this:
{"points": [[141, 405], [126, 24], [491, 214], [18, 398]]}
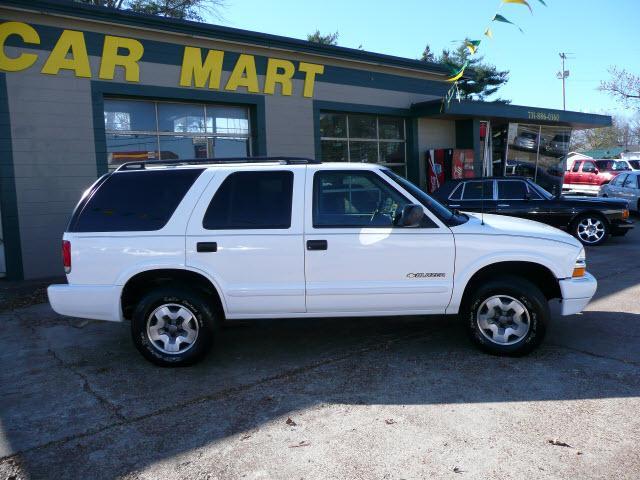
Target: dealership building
{"points": [[84, 89]]}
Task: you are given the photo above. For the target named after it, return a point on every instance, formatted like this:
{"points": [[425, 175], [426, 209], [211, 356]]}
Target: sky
{"points": [[597, 34]]}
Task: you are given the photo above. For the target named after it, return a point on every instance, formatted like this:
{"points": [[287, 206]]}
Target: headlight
{"points": [[580, 266]]}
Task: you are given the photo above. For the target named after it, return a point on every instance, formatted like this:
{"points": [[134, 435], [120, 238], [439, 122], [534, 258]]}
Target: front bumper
{"points": [[577, 293], [97, 302], [621, 226]]}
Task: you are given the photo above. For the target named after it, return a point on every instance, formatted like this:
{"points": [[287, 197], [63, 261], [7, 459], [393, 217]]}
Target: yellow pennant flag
{"points": [[488, 33], [520, 2]]}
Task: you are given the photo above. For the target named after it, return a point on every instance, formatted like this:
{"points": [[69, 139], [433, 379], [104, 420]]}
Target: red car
{"points": [[586, 176]]}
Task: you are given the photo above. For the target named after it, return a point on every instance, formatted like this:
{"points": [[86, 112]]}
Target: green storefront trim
{"points": [[8, 198]]}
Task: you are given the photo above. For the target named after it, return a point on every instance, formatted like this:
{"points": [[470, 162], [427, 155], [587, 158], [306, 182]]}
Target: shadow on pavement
{"points": [[78, 399]]}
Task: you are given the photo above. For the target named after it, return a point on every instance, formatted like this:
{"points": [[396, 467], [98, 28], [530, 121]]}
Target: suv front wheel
{"points": [[507, 316], [173, 327]]}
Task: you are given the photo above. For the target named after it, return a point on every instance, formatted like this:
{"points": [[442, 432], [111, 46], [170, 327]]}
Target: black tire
{"points": [[527, 295], [594, 218], [202, 318]]}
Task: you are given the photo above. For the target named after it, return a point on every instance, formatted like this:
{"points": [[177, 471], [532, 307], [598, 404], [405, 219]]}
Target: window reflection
{"points": [[538, 152], [147, 130]]}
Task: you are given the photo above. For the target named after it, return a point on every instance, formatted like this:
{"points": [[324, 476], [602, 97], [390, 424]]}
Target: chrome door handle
{"points": [[451, 205], [504, 205]]}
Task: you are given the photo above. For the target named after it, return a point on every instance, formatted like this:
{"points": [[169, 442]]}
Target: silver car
{"points": [[625, 186]]}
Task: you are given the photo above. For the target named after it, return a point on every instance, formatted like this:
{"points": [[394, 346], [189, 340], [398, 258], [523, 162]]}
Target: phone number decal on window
{"points": [[550, 117]]}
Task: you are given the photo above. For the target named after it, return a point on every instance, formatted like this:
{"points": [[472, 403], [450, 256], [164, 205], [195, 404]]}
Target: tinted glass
{"points": [[333, 125], [629, 181], [617, 181], [129, 115], [251, 200], [590, 166], [334, 151], [478, 191], [391, 128], [135, 201], [457, 192], [354, 199], [440, 211], [362, 126], [576, 166], [635, 164], [512, 190], [180, 117]]}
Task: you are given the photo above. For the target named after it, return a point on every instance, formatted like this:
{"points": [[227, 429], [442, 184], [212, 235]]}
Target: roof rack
{"points": [[218, 161]]}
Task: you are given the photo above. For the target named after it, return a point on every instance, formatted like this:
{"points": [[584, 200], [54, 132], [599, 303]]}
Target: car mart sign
{"points": [[70, 53]]}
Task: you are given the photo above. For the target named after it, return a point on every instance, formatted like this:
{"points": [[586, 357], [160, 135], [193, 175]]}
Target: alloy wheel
{"points": [[503, 320], [591, 230], [172, 328]]}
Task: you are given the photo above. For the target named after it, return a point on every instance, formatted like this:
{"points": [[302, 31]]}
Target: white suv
{"points": [[178, 247]]}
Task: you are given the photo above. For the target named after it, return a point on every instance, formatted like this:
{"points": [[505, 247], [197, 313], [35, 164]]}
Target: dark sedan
{"points": [[590, 220]]}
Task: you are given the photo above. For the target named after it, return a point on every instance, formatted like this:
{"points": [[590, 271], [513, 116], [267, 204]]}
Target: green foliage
{"points": [[328, 39], [183, 9], [484, 79]]}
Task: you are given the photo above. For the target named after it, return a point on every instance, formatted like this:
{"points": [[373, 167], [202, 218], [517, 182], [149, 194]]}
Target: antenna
{"points": [[482, 203]]}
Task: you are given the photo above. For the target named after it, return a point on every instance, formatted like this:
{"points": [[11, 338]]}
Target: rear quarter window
{"points": [[133, 201]]}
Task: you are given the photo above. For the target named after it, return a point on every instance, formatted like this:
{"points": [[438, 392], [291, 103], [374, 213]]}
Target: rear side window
{"points": [[591, 167], [478, 191], [134, 201], [576, 166], [251, 200], [511, 190]]}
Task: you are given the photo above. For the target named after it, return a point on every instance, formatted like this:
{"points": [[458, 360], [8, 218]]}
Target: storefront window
{"points": [[347, 137], [538, 152], [147, 130]]}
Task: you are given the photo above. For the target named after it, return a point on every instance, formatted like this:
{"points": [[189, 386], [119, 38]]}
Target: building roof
{"points": [[186, 27], [511, 113], [611, 152]]}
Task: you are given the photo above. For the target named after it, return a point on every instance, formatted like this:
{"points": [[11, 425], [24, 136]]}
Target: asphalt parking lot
{"points": [[393, 398]]}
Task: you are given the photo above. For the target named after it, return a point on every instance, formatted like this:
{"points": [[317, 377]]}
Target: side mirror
{"points": [[595, 171], [412, 216]]}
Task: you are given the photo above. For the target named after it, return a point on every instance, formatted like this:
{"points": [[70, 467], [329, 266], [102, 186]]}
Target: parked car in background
{"points": [[632, 164], [550, 179], [587, 176], [625, 186], [179, 246], [590, 220], [527, 141], [559, 145]]}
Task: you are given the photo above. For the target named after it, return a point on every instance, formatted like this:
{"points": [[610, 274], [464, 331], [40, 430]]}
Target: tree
{"points": [[183, 9], [485, 79], [624, 86], [428, 55], [623, 132], [328, 39]]}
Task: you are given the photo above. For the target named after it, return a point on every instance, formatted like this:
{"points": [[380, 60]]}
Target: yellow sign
{"points": [[70, 53]]}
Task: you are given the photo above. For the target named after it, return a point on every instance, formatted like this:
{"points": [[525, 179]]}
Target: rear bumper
{"points": [[577, 293], [97, 302]]}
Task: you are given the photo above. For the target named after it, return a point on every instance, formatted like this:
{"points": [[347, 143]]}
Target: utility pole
{"points": [[563, 74]]}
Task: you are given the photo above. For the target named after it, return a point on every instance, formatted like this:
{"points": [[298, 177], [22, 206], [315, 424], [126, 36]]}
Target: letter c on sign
{"points": [[28, 35]]}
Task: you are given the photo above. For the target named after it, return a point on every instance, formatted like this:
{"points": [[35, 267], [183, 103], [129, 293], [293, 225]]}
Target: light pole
{"points": [[563, 74]]}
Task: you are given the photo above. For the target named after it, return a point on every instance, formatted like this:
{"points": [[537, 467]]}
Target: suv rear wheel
{"points": [[173, 326], [507, 316]]}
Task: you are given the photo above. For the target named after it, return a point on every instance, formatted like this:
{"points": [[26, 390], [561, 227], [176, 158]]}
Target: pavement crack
{"points": [[595, 355], [87, 387]]}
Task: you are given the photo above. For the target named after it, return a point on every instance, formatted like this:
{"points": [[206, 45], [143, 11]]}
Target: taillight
{"points": [[66, 256]]}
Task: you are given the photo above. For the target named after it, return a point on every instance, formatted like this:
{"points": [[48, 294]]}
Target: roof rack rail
{"points": [[218, 161]]}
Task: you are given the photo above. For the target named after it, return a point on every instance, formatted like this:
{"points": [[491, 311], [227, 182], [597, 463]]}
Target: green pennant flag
{"points": [[500, 18]]}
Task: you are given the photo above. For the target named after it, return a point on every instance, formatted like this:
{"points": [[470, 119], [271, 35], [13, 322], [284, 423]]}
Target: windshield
{"points": [[611, 165], [439, 210]]}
